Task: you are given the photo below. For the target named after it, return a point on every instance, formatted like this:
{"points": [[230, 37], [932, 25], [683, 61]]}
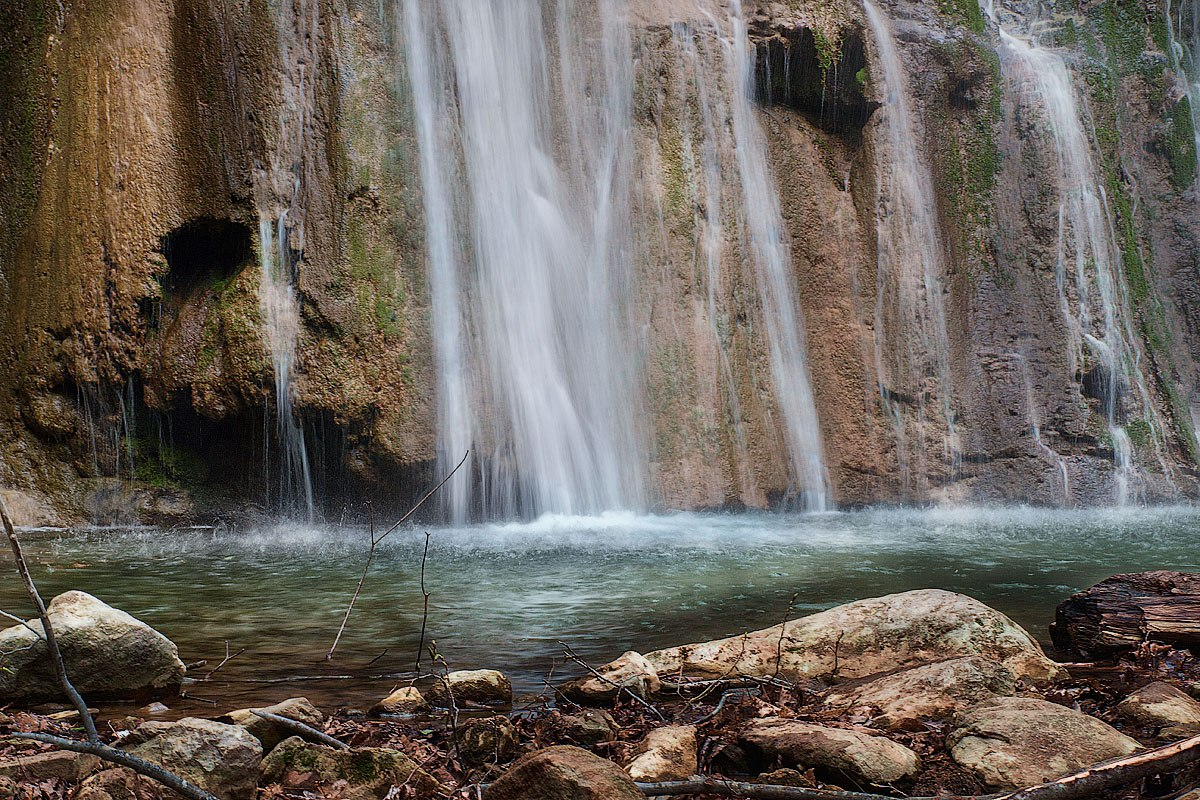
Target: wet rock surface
{"points": [[109, 653], [875, 759], [869, 637], [1015, 741]]}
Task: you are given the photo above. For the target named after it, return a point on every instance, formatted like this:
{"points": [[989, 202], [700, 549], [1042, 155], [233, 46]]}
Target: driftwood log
{"points": [[1121, 612]]}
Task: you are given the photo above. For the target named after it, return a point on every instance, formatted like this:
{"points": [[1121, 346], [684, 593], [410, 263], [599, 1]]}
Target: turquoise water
{"points": [[504, 595]]}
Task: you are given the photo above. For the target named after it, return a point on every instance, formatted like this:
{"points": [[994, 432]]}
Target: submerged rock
{"points": [[564, 772], [929, 692], [1163, 707], [631, 671], [108, 653], [875, 759], [869, 637], [405, 700], [272, 733], [361, 773], [479, 686], [1017, 741], [666, 754], [223, 759]]}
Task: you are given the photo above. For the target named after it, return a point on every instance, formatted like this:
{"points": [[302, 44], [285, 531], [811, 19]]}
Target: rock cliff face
{"points": [[141, 142]]}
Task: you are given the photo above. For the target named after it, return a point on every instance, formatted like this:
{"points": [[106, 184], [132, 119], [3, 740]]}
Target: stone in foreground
{"points": [[869, 637], [1163, 707], [61, 764], [589, 726], [117, 784], [1014, 742], [929, 692], [470, 686], [271, 733], [108, 653], [629, 672], [564, 772], [487, 740], [874, 759], [223, 759], [405, 700], [362, 773], [666, 754]]}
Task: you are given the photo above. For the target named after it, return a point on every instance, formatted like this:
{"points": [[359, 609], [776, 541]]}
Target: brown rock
{"points": [[487, 740], [869, 637], [107, 653], [564, 772], [470, 686], [1013, 742], [929, 692], [631, 671], [1163, 707], [875, 759], [271, 733], [589, 726], [666, 754], [224, 759], [361, 773], [119, 784], [405, 700], [61, 764]]}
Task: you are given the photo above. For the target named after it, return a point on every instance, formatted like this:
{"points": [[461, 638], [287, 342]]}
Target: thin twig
{"points": [[721, 704], [60, 667], [571, 654], [425, 599], [224, 661], [115, 756], [375, 540], [307, 731]]}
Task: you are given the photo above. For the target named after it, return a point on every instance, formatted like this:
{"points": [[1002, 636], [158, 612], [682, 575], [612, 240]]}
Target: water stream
{"points": [[504, 595]]}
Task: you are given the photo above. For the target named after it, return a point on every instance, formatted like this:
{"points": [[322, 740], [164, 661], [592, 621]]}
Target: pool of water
{"points": [[505, 595]]}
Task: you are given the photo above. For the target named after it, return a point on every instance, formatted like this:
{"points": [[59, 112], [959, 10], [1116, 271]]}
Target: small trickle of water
{"points": [[1091, 290], [912, 348]]}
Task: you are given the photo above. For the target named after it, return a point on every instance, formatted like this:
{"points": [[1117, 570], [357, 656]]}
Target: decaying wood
{"points": [[1121, 612], [93, 745]]}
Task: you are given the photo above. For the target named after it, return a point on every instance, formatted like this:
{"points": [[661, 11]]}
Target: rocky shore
{"points": [[922, 693]]}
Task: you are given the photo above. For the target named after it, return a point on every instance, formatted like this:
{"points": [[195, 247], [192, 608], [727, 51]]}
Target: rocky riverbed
{"points": [[914, 694]]}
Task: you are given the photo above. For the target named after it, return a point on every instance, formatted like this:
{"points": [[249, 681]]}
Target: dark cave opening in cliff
{"points": [[204, 251], [801, 70]]}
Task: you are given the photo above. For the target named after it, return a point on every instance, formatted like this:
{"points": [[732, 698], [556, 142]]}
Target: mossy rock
{"points": [[364, 773]]}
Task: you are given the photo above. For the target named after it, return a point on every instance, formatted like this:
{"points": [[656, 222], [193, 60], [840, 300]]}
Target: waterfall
{"points": [[912, 349], [279, 192], [524, 116], [1183, 31], [1091, 290], [524, 122]]}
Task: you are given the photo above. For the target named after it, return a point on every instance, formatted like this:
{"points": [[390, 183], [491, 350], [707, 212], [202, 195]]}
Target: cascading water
{"points": [[719, 69], [279, 191], [1183, 30], [912, 349], [523, 114], [1092, 294], [524, 119]]}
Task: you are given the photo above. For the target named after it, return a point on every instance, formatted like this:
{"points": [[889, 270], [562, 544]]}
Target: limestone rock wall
{"points": [[133, 382]]}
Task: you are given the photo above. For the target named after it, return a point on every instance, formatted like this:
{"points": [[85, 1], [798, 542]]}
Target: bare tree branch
{"points": [[60, 667], [375, 540], [115, 756], [304, 730]]}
